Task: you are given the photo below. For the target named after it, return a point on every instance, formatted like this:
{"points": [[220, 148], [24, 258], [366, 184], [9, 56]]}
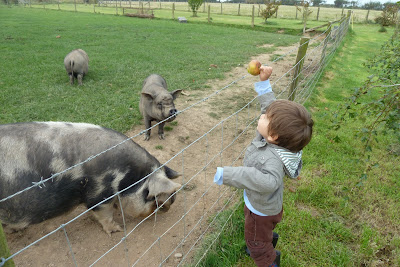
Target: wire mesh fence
{"points": [[177, 237], [230, 9]]}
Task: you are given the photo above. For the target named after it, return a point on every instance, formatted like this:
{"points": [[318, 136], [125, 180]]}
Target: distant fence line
{"points": [[234, 9], [296, 84]]}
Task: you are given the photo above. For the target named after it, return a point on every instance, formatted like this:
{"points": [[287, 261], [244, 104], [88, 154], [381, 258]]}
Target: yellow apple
{"points": [[254, 67]]}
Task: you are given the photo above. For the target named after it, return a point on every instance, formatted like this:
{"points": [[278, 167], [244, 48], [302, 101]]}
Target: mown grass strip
{"points": [[330, 219]]}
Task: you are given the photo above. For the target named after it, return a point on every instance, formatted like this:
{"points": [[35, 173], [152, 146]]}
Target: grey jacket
{"points": [[263, 170]]}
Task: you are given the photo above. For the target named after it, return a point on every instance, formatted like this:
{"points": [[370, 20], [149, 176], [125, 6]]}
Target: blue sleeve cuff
{"points": [[218, 176], [263, 87]]}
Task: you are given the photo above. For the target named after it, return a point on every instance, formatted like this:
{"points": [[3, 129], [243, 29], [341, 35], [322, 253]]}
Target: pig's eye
{"points": [[159, 105]]}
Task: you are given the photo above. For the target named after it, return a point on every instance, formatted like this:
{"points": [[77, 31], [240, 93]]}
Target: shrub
{"points": [[271, 8], [195, 5]]}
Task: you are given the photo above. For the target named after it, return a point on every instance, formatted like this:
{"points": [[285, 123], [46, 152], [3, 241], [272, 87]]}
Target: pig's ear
{"points": [[176, 93], [148, 96], [164, 187], [171, 174]]}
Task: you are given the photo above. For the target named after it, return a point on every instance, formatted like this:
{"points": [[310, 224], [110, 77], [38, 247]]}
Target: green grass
{"points": [[123, 51], [330, 218]]}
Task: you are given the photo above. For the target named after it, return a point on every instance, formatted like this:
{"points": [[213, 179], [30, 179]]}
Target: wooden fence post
{"points": [[318, 13], [328, 33], [209, 18], [239, 10], [252, 17], [396, 31], [259, 7], [342, 11], [221, 8], [296, 12], [276, 13], [173, 10], [204, 7], [299, 64], [4, 251], [366, 18]]}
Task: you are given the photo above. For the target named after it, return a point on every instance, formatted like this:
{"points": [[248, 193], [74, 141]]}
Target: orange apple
{"points": [[254, 67]]}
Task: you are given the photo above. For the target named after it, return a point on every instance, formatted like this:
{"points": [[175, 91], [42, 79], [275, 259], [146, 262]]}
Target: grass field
{"points": [[332, 215], [239, 14], [123, 51]]}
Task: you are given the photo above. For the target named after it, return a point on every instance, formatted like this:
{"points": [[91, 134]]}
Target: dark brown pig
{"points": [[157, 104], [77, 65]]}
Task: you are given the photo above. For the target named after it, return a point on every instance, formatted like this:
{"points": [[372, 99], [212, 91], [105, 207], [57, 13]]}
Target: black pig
{"points": [[33, 151]]}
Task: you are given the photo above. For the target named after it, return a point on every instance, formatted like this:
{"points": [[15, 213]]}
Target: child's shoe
{"points": [[275, 238], [277, 261], [246, 249]]}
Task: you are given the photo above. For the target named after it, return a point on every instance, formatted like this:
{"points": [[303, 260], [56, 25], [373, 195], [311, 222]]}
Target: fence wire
{"points": [[194, 229]]}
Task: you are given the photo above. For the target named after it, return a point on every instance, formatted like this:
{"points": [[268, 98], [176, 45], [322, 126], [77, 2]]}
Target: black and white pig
{"points": [[157, 103], [33, 151], [77, 65]]}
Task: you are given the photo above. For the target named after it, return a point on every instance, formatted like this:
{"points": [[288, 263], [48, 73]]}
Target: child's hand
{"points": [[265, 73]]}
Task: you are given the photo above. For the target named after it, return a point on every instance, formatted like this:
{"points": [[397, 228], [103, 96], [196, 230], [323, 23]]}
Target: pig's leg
{"points": [[147, 125], [71, 78], [161, 130], [80, 77], [104, 214]]}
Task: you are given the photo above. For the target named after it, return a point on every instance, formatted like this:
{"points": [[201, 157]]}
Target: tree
{"points": [[388, 17], [271, 8], [195, 5], [289, 2], [306, 11], [373, 6], [340, 3], [317, 2]]}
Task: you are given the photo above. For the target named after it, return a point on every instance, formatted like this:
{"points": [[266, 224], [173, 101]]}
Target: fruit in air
{"points": [[254, 67]]}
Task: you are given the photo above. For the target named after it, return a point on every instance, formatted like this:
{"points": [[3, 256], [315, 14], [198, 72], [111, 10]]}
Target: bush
{"points": [[388, 17], [195, 5]]}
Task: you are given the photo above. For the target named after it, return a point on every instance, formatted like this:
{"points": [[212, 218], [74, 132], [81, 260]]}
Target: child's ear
{"points": [[272, 138]]}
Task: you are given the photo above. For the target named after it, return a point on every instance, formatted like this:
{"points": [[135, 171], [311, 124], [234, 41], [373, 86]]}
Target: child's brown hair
{"points": [[291, 122]]}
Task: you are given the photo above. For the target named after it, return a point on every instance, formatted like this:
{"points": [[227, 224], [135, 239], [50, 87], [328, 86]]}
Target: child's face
{"points": [[262, 128]]}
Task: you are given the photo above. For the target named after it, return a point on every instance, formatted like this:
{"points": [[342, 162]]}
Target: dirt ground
{"points": [[169, 238]]}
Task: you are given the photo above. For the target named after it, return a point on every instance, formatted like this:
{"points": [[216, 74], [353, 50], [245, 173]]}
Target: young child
{"points": [[283, 130]]}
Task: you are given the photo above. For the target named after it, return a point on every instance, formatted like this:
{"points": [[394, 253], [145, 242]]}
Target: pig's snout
{"points": [[172, 112], [167, 204]]}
